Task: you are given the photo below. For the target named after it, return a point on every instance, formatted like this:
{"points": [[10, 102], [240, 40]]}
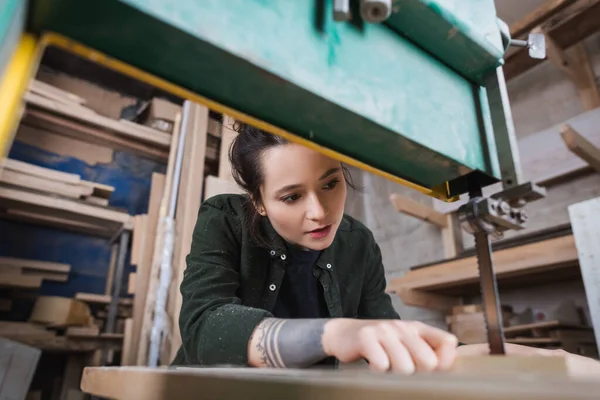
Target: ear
{"points": [[259, 207]]}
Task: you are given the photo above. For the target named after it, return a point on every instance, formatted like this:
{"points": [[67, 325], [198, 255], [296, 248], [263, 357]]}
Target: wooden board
{"points": [[83, 331], [479, 379], [20, 281], [127, 130], [35, 264], [61, 222], [47, 276], [228, 134], [188, 203], [143, 268], [46, 173], [43, 184], [44, 88], [100, 299], [418, 210], [47, 121], [15, 198], [90, 153], [517, 261], [128, 345]]}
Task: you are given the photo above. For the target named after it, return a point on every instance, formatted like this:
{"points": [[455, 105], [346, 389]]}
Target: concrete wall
{"points": [[540, 98]]}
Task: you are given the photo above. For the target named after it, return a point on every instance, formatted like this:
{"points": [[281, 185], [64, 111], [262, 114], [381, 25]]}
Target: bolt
{"points": [[523, 217], [503, 208]]}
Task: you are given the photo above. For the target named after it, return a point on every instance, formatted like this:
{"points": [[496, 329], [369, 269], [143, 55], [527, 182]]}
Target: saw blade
{"points": [[489, 293]]}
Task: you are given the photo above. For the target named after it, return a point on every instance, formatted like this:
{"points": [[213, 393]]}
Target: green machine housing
{"points": [[418, 97]]}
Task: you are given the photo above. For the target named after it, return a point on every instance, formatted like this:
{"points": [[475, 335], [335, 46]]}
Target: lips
{"points": [[320, 233]]}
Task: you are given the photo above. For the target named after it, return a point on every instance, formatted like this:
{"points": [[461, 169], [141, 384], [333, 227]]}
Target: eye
{"points": [[331, 184], [290, 198]]}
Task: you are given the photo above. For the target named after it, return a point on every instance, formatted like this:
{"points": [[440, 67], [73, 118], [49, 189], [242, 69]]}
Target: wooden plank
{"points": [[214, 127], [572, 335], [72, 374], [585, 220], [69, 128], [17, 367], [131, 283], [473, 377], [97, 201], [61, 222], [99, 189], [46, 173], [126, 354], [570, 26], [415, 209], [533, 341], [544, 157], [35, 264], [228, 134], [20, 281], [135, 239], [517, 261], [188, 203], [143, 269], [537, 16], [158, 249], [94, 298], [512, 330], [90, 153], [581, 147], [91, 212], [43, 184], [43, 87], [214, 186], [452, 238], [46, 276], [154, 134], [466, 309], [83, 331], [158, 138]]}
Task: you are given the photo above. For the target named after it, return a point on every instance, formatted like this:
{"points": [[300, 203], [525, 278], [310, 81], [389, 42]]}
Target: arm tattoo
{"points": [[290, 343]]}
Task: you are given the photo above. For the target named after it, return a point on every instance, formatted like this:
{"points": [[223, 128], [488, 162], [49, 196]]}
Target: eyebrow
{"points": [[327, 173]]}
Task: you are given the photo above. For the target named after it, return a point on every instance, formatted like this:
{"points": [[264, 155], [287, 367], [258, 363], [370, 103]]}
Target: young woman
{"points": [[281, 277]]}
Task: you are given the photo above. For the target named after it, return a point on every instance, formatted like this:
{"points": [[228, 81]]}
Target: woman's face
{"points": [[303, 195]]}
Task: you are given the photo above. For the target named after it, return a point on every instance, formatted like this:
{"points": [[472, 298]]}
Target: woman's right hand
{"points": [[401, 346]]}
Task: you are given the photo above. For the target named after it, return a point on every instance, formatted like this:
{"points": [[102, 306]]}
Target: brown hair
{"points": [[245, 156]]}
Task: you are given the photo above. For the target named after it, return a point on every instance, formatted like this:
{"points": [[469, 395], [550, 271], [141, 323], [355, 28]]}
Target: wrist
{"points": [[332, 333]]}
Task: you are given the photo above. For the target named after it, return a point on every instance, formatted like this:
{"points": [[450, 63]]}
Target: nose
{"points": [[317, 210]]}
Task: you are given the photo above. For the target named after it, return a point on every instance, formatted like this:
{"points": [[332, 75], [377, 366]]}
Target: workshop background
{"points": [[61, 266]]}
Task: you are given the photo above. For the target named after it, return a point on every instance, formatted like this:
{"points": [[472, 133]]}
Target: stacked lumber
{"points": [[99, 304], [44, 196], [23, 273], [21, 174], [57, 111]]}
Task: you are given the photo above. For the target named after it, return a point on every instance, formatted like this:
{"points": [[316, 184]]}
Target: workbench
{"points": [[127, 383]]}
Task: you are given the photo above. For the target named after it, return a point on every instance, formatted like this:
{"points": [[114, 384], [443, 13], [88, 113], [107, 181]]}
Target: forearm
{"points": [[287, 343]]}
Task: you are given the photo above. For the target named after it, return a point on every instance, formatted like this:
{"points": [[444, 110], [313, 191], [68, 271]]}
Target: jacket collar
{"points": [[277, 243]]}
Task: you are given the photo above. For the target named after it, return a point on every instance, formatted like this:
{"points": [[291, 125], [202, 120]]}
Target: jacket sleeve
{"points": [[215, 326], [375, 303]]}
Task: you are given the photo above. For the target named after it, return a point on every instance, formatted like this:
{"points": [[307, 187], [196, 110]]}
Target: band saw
{"points": [[411, 90]]}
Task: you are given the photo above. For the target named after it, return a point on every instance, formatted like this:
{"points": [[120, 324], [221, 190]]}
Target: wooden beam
{"points": [[154, 273], [569, 27], [100, 299], [188, 203], [537, 16], [35, 264], [215, 186], [452, 237], [19, 199], [415, 209], [46, 173], [144, 267], [515, 261], [581, 147]]}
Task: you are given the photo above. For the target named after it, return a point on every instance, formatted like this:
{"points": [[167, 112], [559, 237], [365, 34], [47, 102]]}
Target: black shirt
{"points": [[301, 293]]}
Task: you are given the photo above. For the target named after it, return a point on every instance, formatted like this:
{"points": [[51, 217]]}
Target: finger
{"points": [[444, 344], [373, 352], [400, 358], [424, 357]]}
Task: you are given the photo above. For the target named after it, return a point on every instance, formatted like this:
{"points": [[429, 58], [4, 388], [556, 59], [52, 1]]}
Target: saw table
{"points": [[411, 90]]}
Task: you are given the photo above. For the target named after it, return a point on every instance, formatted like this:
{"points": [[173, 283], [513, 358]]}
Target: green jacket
{"points": [[231, 284]]}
